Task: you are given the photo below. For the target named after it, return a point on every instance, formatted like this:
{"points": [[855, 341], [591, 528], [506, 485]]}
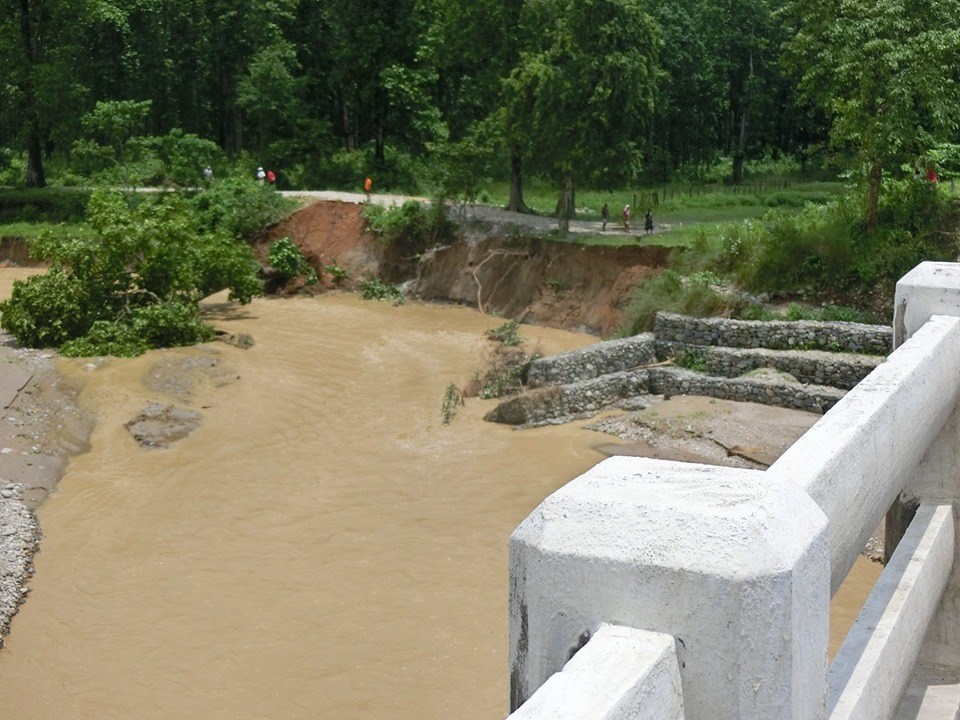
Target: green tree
{"points": [[580, 101], [136, 285], [885, 74]]}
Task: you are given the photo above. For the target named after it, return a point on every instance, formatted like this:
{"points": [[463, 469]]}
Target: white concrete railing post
{"points": [[731, 564]]}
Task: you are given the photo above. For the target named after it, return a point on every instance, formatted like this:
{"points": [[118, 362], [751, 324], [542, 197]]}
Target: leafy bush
{"points": [[827, 249], [506, 374], [47, 310], [506, 334], [134, 285], [106, 338], [693, 360], [287, 259], [336, 272], [379, 290], [240, 207], [411, 225]]}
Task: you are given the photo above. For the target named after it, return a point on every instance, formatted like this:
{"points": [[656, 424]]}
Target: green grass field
{"points": [[30, 230], [682, 214]]}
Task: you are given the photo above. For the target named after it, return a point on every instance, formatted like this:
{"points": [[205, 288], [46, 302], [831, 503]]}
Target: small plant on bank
{"points": [[376, 289], [336, 272], [288, 260], [695, 360], [452, 401], [506, 375], [506, 334]]}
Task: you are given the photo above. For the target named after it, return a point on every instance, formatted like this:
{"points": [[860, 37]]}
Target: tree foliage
{"points": [[582, 96], [884, 73], [133, 286]]}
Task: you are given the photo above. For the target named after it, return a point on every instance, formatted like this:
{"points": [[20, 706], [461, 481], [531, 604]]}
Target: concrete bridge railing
{"points": [[653, 589]]}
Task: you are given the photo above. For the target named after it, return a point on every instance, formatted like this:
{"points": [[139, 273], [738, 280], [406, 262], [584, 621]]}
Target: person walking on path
{"points": [[648, 222], [208, 175], [604, 216], [367, 187], [625, 216], [261, 175]]}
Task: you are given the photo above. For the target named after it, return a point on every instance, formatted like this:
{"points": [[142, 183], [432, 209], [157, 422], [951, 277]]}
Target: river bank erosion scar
{"points": [[40, 428]]}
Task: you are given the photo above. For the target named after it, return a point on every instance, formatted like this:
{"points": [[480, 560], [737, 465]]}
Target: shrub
{"points": [[411, 225], [379, 290], [506, 334], [693, 360], [287, 259], [133, 285], [506, 374], [240, 207]]}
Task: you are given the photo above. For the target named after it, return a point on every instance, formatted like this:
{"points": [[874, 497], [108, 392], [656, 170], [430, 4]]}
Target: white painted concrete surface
{"points": [[620, 674], [731, 563], [931, 288], [856, 459], [867, 678]]}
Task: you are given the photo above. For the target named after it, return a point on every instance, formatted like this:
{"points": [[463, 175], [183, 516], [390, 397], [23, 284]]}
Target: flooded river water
{"points": [[321, 547]]}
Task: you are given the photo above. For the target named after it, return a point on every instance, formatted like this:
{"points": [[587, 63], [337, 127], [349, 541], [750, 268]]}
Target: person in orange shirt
{"points": [[367, 186]]}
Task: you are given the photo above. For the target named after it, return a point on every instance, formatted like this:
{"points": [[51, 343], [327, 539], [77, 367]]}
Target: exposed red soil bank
{"points": [[574, 287]]}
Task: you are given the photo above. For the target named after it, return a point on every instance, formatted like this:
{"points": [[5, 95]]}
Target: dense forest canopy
{"points": [[327, 90]]}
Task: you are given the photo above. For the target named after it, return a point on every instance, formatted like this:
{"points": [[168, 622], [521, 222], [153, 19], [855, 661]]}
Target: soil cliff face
{"points": [[573, 287]]}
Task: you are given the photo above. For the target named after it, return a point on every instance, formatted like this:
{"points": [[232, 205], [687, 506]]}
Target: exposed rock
{"points": [[159, 425]]}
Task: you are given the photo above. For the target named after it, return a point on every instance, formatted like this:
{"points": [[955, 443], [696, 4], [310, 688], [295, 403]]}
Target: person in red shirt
{"points": [[367, 186]]}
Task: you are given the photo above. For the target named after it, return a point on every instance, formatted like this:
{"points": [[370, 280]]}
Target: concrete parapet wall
{"points": [[776, 335], [593, 361], [817, 367], [855, 461], [866, 680], [620, 674]]}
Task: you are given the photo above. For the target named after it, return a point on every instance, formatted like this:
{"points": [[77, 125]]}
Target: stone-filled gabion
{"points": [[839, 370], [593, 361], [587, 380], [775, 335]]}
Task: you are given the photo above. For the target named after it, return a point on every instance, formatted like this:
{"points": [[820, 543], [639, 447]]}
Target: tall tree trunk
{"points": [[565, 210], [874, 181], [741, 151], [348, 138], [516, 203], [35, 176]]}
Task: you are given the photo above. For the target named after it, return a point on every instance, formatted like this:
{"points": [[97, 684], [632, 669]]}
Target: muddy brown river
{"points": [[321, 547]]}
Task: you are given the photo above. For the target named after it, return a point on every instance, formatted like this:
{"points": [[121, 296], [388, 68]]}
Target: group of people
{"points": [[625, 216], [267, 176]]}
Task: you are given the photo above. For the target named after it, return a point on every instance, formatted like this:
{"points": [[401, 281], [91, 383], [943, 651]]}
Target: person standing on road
{"points": [[625, 216], [367, 187], [648, 222], [604, 216]]}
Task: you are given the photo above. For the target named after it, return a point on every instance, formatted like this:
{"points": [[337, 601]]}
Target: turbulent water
{"points": [[321, 547]]}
